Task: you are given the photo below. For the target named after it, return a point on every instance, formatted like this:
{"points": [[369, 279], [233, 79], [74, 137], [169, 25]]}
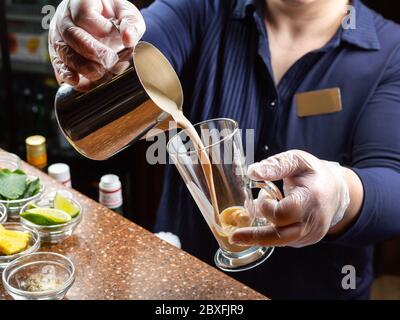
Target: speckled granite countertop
{"points": [[117, 259]]}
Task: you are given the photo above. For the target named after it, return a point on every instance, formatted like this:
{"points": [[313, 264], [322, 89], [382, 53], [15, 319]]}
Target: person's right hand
{"points": [[79, 39]]}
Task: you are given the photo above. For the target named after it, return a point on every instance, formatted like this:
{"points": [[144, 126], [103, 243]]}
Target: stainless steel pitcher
{"points": [[109, 118]]}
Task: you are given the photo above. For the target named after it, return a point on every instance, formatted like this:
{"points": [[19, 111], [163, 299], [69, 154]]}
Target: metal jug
{"points": [[109, 118]]}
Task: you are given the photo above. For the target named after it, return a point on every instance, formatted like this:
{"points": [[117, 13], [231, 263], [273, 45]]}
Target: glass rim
{"points": [[7, 155], [189, 153], [65, 285], [3, 210]]}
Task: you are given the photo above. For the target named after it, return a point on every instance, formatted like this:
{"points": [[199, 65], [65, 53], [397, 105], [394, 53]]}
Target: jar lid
{"points": [[59, 171], [35, 140], [110, 181]]}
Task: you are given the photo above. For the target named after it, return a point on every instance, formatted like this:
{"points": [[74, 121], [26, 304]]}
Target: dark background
{"points": [[27, 109]]}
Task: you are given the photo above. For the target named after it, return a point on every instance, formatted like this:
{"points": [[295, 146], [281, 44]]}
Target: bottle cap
{"points": [[60, 172], [35, 141], [110, 182]]}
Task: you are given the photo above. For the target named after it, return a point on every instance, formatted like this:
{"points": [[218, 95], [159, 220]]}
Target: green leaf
{"points": [[19, 171], [12, 185], [32, 188]]}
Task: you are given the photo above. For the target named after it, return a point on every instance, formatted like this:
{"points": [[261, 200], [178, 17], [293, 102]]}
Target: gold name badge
{"points": [[318, 102]]}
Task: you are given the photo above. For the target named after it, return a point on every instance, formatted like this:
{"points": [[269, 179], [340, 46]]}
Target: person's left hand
{"points": [[316, 198]]}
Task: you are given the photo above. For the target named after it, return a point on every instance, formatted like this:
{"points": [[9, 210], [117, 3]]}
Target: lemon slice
{"points": [[66, 205], [12, 242], [46, 216], [236, 217]]}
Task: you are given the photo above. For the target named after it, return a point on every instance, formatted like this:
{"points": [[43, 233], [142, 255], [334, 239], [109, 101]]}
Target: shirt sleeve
{"points": [[376, 160], [174, 27]]}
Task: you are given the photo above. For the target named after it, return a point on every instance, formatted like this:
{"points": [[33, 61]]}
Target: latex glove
{"points": [[316, 198], [79, 38]]}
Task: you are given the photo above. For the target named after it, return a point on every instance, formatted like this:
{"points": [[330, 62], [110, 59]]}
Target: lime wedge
{"points": [[64, 204], [46, 216], [31, 205]]}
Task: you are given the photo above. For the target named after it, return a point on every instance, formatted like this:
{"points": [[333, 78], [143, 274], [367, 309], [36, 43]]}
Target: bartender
{"points": [[323, 97]]}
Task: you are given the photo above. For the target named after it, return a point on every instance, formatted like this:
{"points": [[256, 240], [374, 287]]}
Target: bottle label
{"points": [[37, 156], [111, 199], [39, 161]]}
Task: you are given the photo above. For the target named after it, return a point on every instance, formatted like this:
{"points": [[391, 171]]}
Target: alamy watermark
{"points": [[349, 280], [222, 146], [157, 152], [348, 22], [49, 12]]}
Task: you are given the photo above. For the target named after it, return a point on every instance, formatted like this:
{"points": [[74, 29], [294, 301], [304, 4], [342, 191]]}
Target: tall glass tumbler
{"points": [[236, 209]]}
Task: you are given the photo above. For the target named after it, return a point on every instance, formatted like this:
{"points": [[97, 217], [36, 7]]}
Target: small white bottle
{"points": [[61, 173], [110, 193]]}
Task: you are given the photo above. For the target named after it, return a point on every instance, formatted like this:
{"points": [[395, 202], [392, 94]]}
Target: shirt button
{"points": [[273, 103], [266, 148]]}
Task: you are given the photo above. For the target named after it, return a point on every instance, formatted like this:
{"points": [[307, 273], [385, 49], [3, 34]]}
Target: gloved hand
{"points": [[316, 199], [79, 39]]}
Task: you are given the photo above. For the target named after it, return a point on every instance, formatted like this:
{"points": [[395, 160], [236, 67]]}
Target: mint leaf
{"points": [[19, 171], [32, 188], [12, 184]]}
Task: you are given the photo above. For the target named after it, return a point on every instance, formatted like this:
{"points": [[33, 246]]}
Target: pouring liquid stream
{"points": [[172, 108], [205, 162]]}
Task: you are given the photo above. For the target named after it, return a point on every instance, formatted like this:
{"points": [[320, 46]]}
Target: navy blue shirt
{"points": [[220, 50]]}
